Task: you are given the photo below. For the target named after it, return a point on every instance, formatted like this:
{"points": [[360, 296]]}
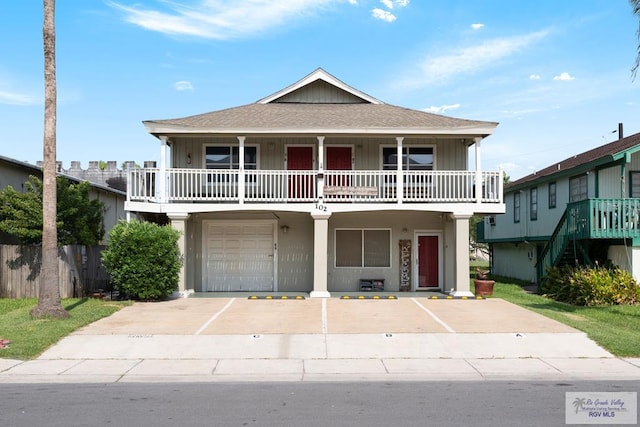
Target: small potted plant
{"points": [[482, 283]]}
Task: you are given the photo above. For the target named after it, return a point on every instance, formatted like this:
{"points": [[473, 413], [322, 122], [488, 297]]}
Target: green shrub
{"points": [[143, 259], [588, 286]]}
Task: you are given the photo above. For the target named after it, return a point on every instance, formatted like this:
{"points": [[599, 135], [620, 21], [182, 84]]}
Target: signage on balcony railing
{"points": [[344, 190]]}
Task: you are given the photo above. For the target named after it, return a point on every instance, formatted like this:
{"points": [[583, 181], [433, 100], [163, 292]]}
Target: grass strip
{"points": [[30, 337], [616, 328]]}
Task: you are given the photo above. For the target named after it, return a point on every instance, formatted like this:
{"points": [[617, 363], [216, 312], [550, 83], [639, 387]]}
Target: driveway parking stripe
{"points": [[215, 316], [434, 317], [324, 316]]}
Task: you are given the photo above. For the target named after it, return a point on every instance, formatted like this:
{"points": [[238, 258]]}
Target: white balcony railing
{"points": [[290, 186]]}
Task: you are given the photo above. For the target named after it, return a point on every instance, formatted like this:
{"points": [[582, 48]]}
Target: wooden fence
{"points": [[80, 271]]}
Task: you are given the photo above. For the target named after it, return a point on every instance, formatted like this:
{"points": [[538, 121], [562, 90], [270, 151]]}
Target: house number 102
{"points": [[321, 207]]}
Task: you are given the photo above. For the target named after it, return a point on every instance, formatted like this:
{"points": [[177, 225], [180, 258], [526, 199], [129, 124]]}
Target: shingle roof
{"points": [[605, 153], [288, 117]]}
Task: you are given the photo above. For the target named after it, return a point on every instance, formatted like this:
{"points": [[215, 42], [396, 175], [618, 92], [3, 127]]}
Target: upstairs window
{"points": [[516, 207], [552, 195], [413, 158], [533, 204], [227, 157], [578, 188]]}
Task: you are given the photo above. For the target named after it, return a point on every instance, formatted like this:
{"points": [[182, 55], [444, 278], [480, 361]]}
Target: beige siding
{"points": [[320, 92], [450, 154]]}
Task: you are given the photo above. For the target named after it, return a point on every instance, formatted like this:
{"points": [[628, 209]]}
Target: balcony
{"points": [[300, 186]]}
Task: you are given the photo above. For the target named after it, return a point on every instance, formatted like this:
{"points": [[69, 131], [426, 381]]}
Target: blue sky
{"points": [[554, 74]]}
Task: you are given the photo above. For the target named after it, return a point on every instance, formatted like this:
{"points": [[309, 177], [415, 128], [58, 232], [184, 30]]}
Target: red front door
{"points": [[300, 158], [428, 274]]}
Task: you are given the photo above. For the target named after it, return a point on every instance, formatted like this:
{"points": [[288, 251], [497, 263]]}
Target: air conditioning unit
{"points": [[492, 220]]}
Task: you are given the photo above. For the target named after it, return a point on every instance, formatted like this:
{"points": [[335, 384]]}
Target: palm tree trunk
{"points": [[49, 304]]}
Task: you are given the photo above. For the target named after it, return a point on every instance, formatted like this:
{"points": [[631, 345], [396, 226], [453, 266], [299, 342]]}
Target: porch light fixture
{"points": [[285, 229], [189, 158]]}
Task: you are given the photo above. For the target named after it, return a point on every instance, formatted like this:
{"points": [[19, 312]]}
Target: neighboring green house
{"points": [[583, 209]]}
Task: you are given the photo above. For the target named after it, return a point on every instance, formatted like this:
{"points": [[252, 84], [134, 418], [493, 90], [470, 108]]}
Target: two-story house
{"points": [[581, 210], [317, 187]]}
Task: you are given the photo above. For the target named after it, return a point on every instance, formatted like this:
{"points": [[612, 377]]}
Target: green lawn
{"points": [[615, 328], [29, 338]]}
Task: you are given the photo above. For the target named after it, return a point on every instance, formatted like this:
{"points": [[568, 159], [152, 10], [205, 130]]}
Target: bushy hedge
{"points": [[599, 285], [143, 259]]}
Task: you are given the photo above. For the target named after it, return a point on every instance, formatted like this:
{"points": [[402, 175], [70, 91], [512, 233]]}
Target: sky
{"points": [[554, 74]]}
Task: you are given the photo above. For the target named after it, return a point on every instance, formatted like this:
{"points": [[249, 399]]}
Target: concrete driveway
{"points": [[236, 338]]}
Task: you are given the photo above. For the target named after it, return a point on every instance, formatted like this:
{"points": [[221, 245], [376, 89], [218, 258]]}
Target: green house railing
{"points": [[590, 219]]}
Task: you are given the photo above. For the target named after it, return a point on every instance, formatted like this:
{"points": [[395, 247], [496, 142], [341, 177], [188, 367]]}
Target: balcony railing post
{"points": [[399, 175]]}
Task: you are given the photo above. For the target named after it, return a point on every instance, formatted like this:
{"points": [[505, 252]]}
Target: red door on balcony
{"points": [[428, 261], [300, 158], [338, 158]]}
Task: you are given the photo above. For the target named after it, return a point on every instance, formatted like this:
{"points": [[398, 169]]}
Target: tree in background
{"points": [[49, 304], [79, 219]]}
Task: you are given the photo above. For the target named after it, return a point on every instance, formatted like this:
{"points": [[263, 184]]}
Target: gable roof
{"points": [[319, 75], [597, 157], [355, 112]]}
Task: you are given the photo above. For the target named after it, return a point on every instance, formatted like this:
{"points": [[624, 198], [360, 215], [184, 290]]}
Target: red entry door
{"points": [[300, 158], [428, 274], [338, 159]]}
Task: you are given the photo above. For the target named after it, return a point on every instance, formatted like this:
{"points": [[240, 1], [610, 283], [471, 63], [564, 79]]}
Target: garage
{"points": [[239, 256]]}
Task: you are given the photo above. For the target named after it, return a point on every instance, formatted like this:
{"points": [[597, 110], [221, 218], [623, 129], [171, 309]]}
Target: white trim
{"points": [[416, 258], [274, 226]]}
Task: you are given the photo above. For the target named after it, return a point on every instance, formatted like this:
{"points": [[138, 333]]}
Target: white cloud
{"points": [[535, 77], [221, 19], [14, 98], [183, 85], [384, 15], [387, 3], [469, 60], [477, 26], [564, 76], [441, 109]]}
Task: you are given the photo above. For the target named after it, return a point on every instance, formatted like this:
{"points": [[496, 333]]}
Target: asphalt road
{"points": [[487, 403]]}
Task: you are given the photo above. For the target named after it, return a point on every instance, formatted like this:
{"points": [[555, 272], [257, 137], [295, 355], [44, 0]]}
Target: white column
{"points": [[461, 227], [320, 181], [241, 174], [162, 175], [320, 257], [399, 165], [478, 171], [178, 222]]}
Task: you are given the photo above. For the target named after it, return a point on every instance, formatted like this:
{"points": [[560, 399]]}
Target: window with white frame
{"points": [[413, 158], [228, 157], [578, 188], [363, 247]]}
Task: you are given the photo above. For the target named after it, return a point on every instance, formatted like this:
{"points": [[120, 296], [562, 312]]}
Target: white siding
{"points": [[513, 260]]}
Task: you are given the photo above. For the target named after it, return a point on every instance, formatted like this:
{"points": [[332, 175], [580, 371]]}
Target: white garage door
{"points": [[238, 256]]}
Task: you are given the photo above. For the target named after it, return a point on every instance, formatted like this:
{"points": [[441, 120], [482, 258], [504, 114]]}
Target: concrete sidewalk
{"points": [[237, 339]]}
